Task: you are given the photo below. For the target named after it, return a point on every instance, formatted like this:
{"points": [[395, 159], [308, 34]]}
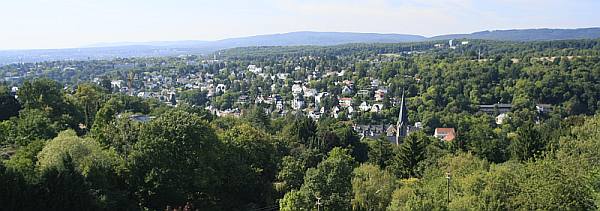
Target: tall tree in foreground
{"points": [[409, 154], [175, 162], [329, 184], [249, 157], [372, 188]]}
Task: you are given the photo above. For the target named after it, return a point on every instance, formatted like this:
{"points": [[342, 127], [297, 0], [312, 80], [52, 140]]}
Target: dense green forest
{"points": [[68, 143]]}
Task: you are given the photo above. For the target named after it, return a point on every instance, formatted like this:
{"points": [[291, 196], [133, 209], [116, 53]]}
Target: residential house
{"points": [[380, 94], [345, 102], [364, 92], [501, 118], [298, 102], [495, 108], [319, 97], [347, 90], [221, 88], [446, 134], [376, 108]]}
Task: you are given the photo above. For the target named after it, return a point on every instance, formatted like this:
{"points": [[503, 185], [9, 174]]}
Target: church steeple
{"points": [[401, 126]]}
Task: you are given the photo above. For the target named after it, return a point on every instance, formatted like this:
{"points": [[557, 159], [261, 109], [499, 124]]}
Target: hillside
{"points": [[527, 35]]}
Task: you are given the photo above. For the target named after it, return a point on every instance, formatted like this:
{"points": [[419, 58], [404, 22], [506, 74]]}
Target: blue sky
{"points": [[26, 24]]}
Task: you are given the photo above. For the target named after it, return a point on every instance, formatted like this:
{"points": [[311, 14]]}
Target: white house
{"points": [[364, 106], [221, 88], [347, 90]]}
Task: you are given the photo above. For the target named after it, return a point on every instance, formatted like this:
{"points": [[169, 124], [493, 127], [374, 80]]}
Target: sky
{"points": [[44, 24]]}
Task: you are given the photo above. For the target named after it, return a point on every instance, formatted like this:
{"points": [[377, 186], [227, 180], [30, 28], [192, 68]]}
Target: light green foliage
{"points": [[34, 124], [372, 188], [89, 98], [24, 160], [7, 130], [86, 154], [291, 174], [296, 200]]}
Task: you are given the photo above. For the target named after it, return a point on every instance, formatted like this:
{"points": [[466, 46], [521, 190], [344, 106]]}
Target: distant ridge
{"points": [[527, 35], [174, 48], [284, 39]]}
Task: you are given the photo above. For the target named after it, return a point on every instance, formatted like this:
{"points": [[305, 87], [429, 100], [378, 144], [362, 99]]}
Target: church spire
{"points": [[402, 120]]}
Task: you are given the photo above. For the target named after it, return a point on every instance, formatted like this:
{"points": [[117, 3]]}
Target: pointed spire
{"points": [[402, 120]]}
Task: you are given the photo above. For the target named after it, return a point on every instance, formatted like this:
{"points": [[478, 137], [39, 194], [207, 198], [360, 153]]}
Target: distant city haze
{"points": [[48, 24]]}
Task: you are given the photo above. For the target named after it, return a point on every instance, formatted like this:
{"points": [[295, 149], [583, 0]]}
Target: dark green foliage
{"points": [[174, 162], [195, 97], [380, 152], [9, 106], [35, 124], [15, 193], [250, 167], [408, 155], [330, 181], [257, 117], [527, 144], [65, 189], [47, 95], [545, 160], [107, 121], [301, 129]]}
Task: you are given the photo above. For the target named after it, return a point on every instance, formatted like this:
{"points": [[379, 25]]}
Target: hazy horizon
{"points": [[45, 24]]}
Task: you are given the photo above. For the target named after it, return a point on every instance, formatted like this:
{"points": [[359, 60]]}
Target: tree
{"points": [[484, 141], [41, 93], [84, 153], [291, 174], [89, 98], [105, 83], [65, 188], [380, 152], [301, 129], [16, 193], [23, 162], [9, 106], [195, 97], [409, 154], [175, 161], [330, 181], [47, 95], [251, 166], [549, 184], [372, 188], [34, 124], [7, 132], [527, 144], [98, 166], [105, 126], [257, 117]]}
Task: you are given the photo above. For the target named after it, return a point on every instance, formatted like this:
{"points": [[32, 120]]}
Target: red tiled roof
{"points": [[450, 133]]}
